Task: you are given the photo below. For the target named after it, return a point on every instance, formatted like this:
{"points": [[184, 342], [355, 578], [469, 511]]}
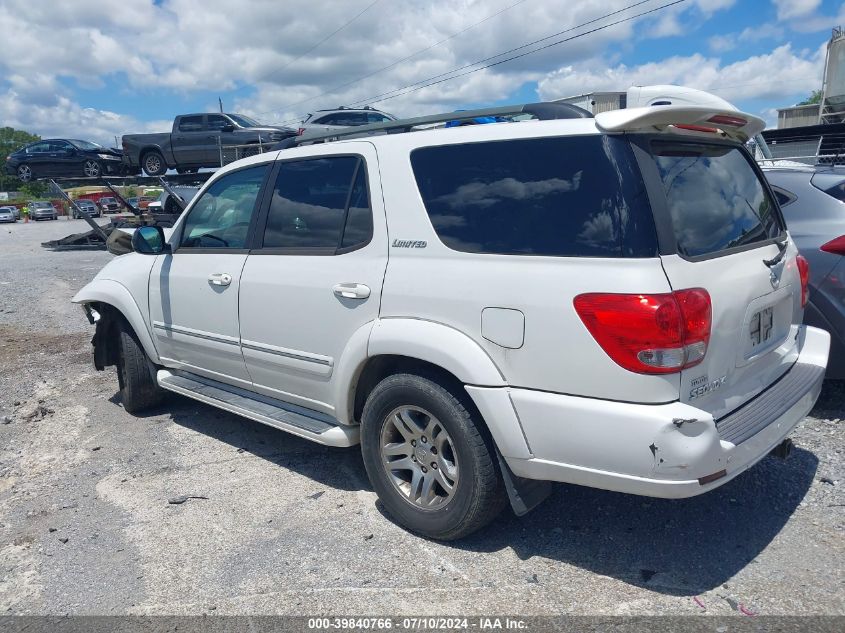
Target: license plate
{"points": [[762, 326]]}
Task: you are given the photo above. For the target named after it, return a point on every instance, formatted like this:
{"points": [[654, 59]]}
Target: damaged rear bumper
{"points": [[671, 450]]}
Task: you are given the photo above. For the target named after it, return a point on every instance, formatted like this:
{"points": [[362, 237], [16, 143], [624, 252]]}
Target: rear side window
{"points": [[190, 124], [320, 205], [715, 198], [568, 197]]}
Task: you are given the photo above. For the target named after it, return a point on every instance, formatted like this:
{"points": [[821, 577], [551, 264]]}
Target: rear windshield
{"points": [[715, 198], [571, 196]]}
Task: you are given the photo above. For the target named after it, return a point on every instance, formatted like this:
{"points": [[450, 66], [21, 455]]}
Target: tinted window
{"points": [[784, 198], [216, 122], [570, 196], [190, 124], [715, 198], [221, 217], [38, 148], [309, 206], [343, 118], [376, 117]]}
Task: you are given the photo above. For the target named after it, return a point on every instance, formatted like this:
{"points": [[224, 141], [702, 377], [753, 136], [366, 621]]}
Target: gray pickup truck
{"points": [[199, 140]]}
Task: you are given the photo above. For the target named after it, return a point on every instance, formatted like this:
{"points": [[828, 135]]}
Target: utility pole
{"points": [[220, 101]]}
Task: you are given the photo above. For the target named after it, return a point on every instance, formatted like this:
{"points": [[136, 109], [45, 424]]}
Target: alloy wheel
{"points": [[25, 173], [91, 168], [419, 457]]}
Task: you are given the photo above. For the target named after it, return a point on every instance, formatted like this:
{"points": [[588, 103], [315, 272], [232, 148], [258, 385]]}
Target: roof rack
{"points": [[543, 111]]}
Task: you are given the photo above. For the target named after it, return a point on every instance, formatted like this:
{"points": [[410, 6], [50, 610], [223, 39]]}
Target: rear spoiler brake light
{"points": [[737, 125]]}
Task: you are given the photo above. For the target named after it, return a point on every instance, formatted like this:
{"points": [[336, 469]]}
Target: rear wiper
{"points": [[774, 261]]}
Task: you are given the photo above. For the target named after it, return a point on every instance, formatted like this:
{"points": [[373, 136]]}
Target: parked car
{"points": [[42, 211], [63, 158], [15, 211], [473, 338], [144, 201], [7, 215], [165, 204], [340, 118], [108, 204], [195, 142], [89, 207], [813, 202], [133, 201]]}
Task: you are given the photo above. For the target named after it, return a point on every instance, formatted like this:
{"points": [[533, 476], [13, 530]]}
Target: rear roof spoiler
{"points": [[737, 125]]}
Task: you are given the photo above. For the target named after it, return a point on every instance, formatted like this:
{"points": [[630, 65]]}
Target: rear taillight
{"points": [[835, 246], [300, 131], [804, 274], [649, 333]]}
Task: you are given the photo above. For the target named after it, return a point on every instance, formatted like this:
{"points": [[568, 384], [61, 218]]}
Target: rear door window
{"points": [[320, 205], [576, 196], [191, 124], [715, 198]]}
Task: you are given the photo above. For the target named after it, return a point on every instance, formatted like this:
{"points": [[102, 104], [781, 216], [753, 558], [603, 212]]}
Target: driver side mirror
{"points": [[228, 127], [149, 240]]}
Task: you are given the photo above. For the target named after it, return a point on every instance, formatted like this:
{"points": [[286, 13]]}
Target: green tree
{"points": [[34, 189], [10, 140], [815, 97]]}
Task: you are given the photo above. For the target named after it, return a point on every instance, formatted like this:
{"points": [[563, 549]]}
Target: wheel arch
{"points": [[106, 294], [447, 356]]}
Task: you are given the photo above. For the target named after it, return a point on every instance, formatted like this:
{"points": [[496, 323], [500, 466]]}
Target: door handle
{"points": [[220, 279], [351, 291]]}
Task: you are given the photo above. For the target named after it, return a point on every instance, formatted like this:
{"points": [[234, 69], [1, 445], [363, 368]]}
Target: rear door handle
{"points": [[351, 291], [220, 279]]}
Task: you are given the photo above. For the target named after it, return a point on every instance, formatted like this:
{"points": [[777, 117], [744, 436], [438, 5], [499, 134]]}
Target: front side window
{"points": [[320, 204], [221, 217], [217, 122], [716, 199], [565, 197]]}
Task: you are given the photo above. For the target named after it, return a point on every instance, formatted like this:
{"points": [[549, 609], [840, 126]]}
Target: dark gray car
{"points": [[813, 203]]}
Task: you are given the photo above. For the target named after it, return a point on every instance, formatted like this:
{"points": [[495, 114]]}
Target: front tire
{"points": [[154, 164], [25, 173], [91, 169], [428, 460], [138, 388]]}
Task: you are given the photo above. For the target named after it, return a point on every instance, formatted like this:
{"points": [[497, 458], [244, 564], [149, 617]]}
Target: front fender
{"points": [[115, 294]]}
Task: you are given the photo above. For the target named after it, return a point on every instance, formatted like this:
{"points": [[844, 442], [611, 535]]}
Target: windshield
{"points": [[85, 145], [244, 121]]}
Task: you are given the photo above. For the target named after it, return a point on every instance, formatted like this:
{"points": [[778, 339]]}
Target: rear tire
{"points": [[154, 164], [467, 492], [138, 388]]}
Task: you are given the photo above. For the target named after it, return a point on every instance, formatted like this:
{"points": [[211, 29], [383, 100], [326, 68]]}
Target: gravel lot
{"points": [[282, 526]]}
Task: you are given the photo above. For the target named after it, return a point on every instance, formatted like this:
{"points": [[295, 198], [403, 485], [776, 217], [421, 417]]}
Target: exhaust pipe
{"points": [[782, 450]]}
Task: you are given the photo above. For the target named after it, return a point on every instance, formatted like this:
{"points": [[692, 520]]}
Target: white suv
{"points": [[611, 301]]}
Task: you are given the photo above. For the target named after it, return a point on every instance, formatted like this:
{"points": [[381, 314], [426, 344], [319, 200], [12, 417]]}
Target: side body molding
{"points": [[115, 294]]}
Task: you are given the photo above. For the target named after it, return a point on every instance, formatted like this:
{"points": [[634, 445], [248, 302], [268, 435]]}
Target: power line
{"points": [[324, 40], [398, 61], [416, 85]]}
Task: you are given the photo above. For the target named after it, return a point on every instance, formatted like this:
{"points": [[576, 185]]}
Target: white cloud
{"points": [[790, 9], [774, 75], [179, 48]]}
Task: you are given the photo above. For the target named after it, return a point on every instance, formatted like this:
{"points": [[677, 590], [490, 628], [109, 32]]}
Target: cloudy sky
{"points": [[99, 68]]}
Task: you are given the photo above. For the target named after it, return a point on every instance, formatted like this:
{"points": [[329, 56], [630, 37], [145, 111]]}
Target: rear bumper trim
{"points": [[754, 416]]}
